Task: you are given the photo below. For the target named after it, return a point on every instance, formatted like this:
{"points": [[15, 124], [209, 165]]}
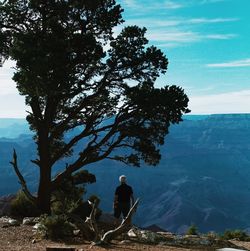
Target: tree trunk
{"points": [[44, 190]]}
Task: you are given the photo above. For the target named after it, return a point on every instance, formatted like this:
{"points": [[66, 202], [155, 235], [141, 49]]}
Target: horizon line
{"points": [[189, 114]]}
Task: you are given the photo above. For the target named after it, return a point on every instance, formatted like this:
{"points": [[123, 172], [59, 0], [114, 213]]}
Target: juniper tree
{"points": [[75, 73]]}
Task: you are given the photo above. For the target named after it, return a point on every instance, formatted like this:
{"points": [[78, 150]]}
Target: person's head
{"points": [[122, 179]]}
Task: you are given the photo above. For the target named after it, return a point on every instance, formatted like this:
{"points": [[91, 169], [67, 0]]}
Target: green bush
{"points": [[21, 206], [192, 230], [94, 198], [55, 227], [68, 198], [212, 235], [84, 209], [235, 234]]}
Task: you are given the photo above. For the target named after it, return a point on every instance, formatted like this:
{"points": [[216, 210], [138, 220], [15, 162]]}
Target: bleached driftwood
{"points": [[91, 220], [124, 226], [111, 234]]}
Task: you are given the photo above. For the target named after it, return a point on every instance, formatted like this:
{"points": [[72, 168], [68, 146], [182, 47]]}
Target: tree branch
{"points": [[112, 234], [92, 222], [21, 178], [61, 127], [124, 226], [84, 159]]}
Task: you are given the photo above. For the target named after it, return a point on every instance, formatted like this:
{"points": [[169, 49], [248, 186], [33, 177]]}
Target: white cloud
{"points": [[210, 1], [210, 20], [177, 36], [231, 64], [12, 106], [172, 5], [177, 31], [141, 6], [7, 86], [220, 36], [7, 68], [231, 102], [181, 37], [154, 22], [129, 3], [9, 64]]}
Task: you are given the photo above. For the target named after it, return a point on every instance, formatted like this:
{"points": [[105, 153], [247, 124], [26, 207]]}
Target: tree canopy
{"points": [[76, 73]]}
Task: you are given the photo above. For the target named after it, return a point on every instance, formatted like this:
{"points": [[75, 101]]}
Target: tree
{"points": [[75, 74]]}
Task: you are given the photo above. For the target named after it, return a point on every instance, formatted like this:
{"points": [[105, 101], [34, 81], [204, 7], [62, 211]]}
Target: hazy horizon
{"points": [[189, 114]]}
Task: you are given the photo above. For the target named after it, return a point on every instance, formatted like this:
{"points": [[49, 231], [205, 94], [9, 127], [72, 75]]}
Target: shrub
{"points": [[21, 206], [94, 198], [68, 198], [84, 208], [192, 230], [235, 234], [212, 235], [55, 226]]}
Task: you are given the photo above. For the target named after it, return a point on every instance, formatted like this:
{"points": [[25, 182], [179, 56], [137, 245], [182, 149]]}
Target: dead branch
{"points": [[124, 226], [88, 227], [21, 178], [91, 220], [81, 224]]}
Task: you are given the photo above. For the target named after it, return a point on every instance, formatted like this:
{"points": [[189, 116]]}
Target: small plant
{"points": [[68, 198], [235, 234], [55, 227], [192, 230], [212, 235], [96, 199], [84, 208], [21, 206]]}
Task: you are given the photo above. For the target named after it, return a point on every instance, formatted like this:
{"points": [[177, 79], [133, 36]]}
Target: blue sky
{"points": [[207, 43]]}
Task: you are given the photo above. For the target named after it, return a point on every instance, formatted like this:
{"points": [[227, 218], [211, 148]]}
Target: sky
{"points": [[207, 43]]}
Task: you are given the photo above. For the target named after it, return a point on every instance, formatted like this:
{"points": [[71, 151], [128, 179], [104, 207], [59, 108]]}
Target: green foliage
{"points": [[84, 208], [21, 206], [83, 176], [212, 235], [55, 226], [192, 230], [235, 234], [95, 199], [68, 198]]}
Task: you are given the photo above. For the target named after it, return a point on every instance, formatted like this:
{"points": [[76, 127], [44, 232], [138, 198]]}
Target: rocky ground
{"points": [[24, 237]]}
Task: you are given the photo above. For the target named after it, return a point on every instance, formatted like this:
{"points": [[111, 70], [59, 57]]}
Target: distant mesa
{"points": [[202, 179]]}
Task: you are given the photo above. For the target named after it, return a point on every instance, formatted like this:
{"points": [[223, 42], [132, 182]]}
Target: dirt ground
{"points": [[23, 238]]}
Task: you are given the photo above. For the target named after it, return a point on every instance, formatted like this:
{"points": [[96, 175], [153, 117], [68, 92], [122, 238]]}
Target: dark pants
{"points": [[121, 207]]}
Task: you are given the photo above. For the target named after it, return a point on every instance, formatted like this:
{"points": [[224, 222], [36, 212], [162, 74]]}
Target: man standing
{"points": [[123, 198]]}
